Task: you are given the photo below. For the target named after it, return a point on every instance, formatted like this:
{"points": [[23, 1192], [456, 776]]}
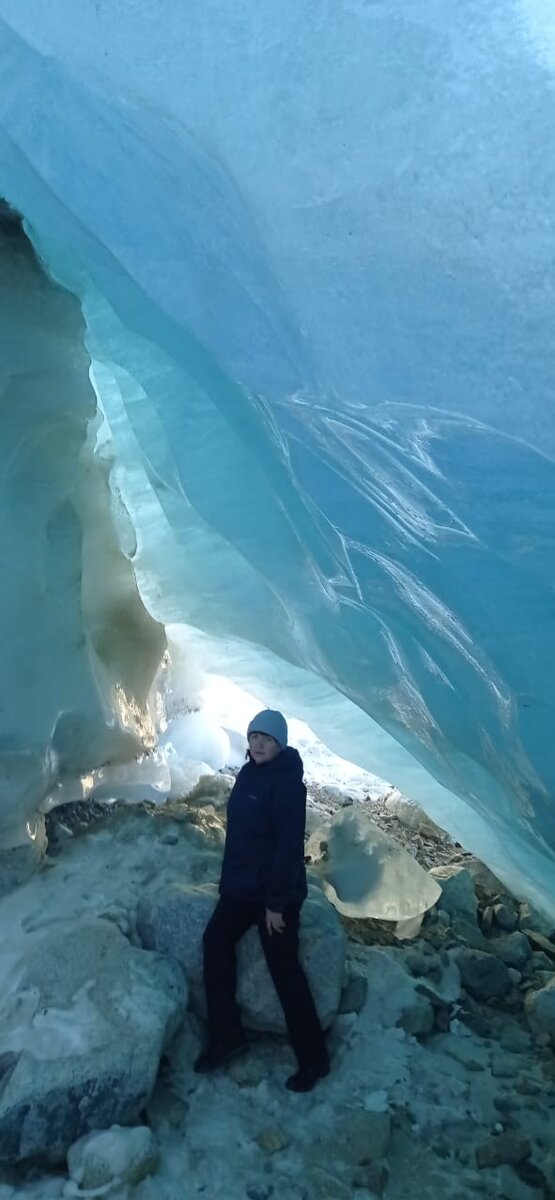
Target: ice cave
{"points": [[277, 369]]}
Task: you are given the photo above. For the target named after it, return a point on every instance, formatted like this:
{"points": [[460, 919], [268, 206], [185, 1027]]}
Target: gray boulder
{"points": [[540, 1009], [513, 949], [484, 976], [172, 922], [457, 890], [505, 916], [103, 1159], [393, 997], [91, 1018]]}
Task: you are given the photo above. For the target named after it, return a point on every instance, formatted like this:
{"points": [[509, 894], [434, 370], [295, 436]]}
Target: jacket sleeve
{"points": [[288, 860]]}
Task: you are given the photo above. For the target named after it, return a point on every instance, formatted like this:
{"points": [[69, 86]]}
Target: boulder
{"points": [[513, 949], [486, 883], [530, 918], [505, 1148], [394, 997], [468, 932], [484, 976], [172, 922], [505, 916], [363, 1134], [540, 942], [368, 874], [113, 1156], [89, 1021], [540, 1009], [458, 897]]}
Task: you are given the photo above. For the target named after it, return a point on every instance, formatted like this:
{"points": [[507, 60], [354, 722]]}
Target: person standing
{"points": [[263, 882]]}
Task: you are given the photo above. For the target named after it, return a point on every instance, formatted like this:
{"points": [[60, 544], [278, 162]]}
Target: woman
{"points": [[263, 882]]}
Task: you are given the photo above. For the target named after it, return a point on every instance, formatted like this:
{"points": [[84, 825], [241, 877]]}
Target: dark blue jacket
{"points": [[264, 846]]}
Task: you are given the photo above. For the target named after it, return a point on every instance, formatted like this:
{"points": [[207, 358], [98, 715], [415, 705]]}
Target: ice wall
{"points": [[313, 244], [78, 652]]}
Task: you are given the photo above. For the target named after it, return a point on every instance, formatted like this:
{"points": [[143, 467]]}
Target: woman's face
{"points": [[263, 748]]}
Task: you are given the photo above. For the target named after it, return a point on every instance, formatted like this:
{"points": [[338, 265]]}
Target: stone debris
{"points": [[471, 987], [116, 1155], [505, 1148], [272, 1139]]}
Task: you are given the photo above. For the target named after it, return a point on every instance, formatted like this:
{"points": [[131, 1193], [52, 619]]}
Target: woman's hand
{"points": [[274, 922]]}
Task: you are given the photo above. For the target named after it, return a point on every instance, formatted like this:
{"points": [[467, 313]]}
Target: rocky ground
{"points": [[443, 1076]]}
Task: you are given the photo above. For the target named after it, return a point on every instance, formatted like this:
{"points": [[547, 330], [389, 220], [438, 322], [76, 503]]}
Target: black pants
{"points": [[229, 921]]}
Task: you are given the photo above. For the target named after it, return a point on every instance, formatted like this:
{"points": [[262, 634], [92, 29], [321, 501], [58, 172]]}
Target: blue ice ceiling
{"points": [[314, 246]]}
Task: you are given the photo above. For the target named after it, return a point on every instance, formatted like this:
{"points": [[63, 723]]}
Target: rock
{"points": [[530, 1174], [95, 1014], [505, 1148], [513, 949], [542, 962], [515, 1039], [115, 1155], [486, 920], [548, 1165], [247, 1071], [544, 978], [457, 890], [362, 1134], [540, 1009], [516, 976], [417, 1017], [172, 921], [411, 816], [323, 1185], [272, 1139], [510, 1187], [372, 1177], [505, 917], [487, 884], [418, 962], [353, 996], [483, 975], [360, 1143], [467, 932], [393, 998], [164, 1107], [528, 1085], [464, 1051], [530, 918], [540, 942]]}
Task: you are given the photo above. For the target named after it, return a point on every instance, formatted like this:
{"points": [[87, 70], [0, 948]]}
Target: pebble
{"points": [[372, 1176], [505, 917], [272, 1139]]}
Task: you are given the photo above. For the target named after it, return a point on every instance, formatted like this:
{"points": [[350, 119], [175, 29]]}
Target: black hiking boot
{"points": [[307, 1077], [218, 1054]]}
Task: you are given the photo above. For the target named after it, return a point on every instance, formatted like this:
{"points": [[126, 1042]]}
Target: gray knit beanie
{"points": [[272, 722]]}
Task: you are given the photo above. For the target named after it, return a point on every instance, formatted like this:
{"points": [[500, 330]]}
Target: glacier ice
{"points": [[367, 874], [312, 245], [80, 652]]}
